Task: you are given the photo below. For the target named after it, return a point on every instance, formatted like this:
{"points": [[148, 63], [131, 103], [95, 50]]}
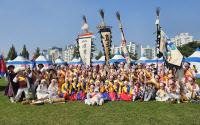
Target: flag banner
{"points": [[33, 63], [46, 64], [3, 66], [84, 47], [170, 53], [126, 54], [106, 42]]}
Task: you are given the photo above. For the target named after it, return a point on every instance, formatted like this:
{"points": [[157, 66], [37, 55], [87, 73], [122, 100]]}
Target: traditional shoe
{"points": [[100, 104]]}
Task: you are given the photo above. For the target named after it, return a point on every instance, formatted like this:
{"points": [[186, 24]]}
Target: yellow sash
{"points": [[93, 76], [189, 73], [126, 76], [133, 76], [190, 87], [100, 71], [34, 74], [139, 70], [141, 79], [63, 72], [148, 74], [22, 78], [157, 84], [75, 70]]}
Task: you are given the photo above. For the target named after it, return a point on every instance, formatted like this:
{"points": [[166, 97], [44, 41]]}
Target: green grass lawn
{"points": [[76, 112]]}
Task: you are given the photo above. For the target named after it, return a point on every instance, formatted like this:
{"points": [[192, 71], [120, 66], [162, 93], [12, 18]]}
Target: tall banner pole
{"points": [[158, 36], [126, 54], [105, 32]]}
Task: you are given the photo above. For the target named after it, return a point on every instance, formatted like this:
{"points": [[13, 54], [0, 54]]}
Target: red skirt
{"points": [[74, 96], [66, 97], [125, 97]]}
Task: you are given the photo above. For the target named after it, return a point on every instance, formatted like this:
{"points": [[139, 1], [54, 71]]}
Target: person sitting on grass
{"points": [[24, 86], [149, 93], [161, 94], [82, 89], [126, 94], [191, 87], [66, 90], [42, 91], [173, 91], [115, 91], [138, 91], [94, 98], [53, 89], [106, 90]]}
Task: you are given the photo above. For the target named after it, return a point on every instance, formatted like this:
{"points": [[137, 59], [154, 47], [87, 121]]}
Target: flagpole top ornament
{"points": [[103, 26], [157, 13]]}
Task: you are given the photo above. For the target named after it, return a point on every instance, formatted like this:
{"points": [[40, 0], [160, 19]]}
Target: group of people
{"points": [[96, 85]]}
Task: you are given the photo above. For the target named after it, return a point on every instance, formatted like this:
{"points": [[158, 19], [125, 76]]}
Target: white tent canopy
{"points": [[118, 57], [143, 59], [75, 61], [43, 60], [100, 61], [59, 61], [9, 60]]}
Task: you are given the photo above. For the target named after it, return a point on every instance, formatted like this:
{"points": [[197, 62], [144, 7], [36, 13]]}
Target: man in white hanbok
{"points": [[42, 91], [53, 89], [94, 98]]}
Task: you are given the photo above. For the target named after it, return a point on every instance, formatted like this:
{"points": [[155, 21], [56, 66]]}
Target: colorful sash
{"points": [[147, 72], [133, 76], [22, 78], [63, 72]]}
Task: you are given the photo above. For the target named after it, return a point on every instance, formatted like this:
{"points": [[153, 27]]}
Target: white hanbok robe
{"points": [[42, 92], [53, 91], [92, 98]]}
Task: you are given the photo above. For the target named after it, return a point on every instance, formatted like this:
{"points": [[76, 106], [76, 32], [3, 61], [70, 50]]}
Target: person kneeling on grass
{"points": [[24, 85], [115, 91], [42, 91], [66, 90], [126, 94], [53, 89], [173, 91], [191, 87], [94, 98], [138, 91], [161, 94]]}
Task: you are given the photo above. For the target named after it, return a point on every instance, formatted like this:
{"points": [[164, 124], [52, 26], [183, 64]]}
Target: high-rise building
{"points": [[53, 53], [183, 38], [67, 54], [148, 52], [132, 48]]}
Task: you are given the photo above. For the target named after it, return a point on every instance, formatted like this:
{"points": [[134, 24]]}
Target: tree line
{"points": [[12, 53]]}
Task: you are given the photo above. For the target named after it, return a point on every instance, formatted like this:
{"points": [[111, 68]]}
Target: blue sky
{"points": [[45, 23]]}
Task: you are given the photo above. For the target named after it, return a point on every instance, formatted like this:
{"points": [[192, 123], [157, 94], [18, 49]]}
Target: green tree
{"points": [[75, 52], [189, 48], [25, 53], [12, 53], [99, 55], [133, 56], [37, 53], [111, 56]]}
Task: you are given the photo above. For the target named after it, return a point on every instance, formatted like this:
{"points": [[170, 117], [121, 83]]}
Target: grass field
{"points": [[76, 112]]}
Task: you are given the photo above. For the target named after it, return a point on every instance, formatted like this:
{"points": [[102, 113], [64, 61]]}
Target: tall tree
{"points": [[133, 56], [75, 52], [37, 52], [189, 48], [99, 55], [12, 53], [25, 53]]}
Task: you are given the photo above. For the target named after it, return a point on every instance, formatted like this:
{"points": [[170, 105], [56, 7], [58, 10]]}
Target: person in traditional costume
{"points": [[192, 88], [74, 95], [140, 69], [121, 69], [126, 94], [157, 81], [99, 79], [42, 91], [136, 67], [79, 70], [87, 69], [129, 67], [105, 91], [70, 70], [94, 98], [40, 66], [121, 83], [153, 69], [52, 74], [116, 65], [115, 91], [12, 86], [137, 91], [89, 78], [54, 67], [82, 89], [149, 93], [94, 74], [102, 72], [61, 81], [98, 86], [58, 68], [53, 89], [141, 78], [125, 75], [71, 77], [111, 80], [66, 90], [161, 73], [83, 75], [133, 76], [173, 91], [34, 75], [45, 75], [148, 73], [171, 77], [161, 94], [24, 85], [188, 72], [62, 71], [112, 70], [66, 66]]}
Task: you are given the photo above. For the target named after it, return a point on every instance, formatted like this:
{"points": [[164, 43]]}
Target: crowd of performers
{"points": [[95, 85]]}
